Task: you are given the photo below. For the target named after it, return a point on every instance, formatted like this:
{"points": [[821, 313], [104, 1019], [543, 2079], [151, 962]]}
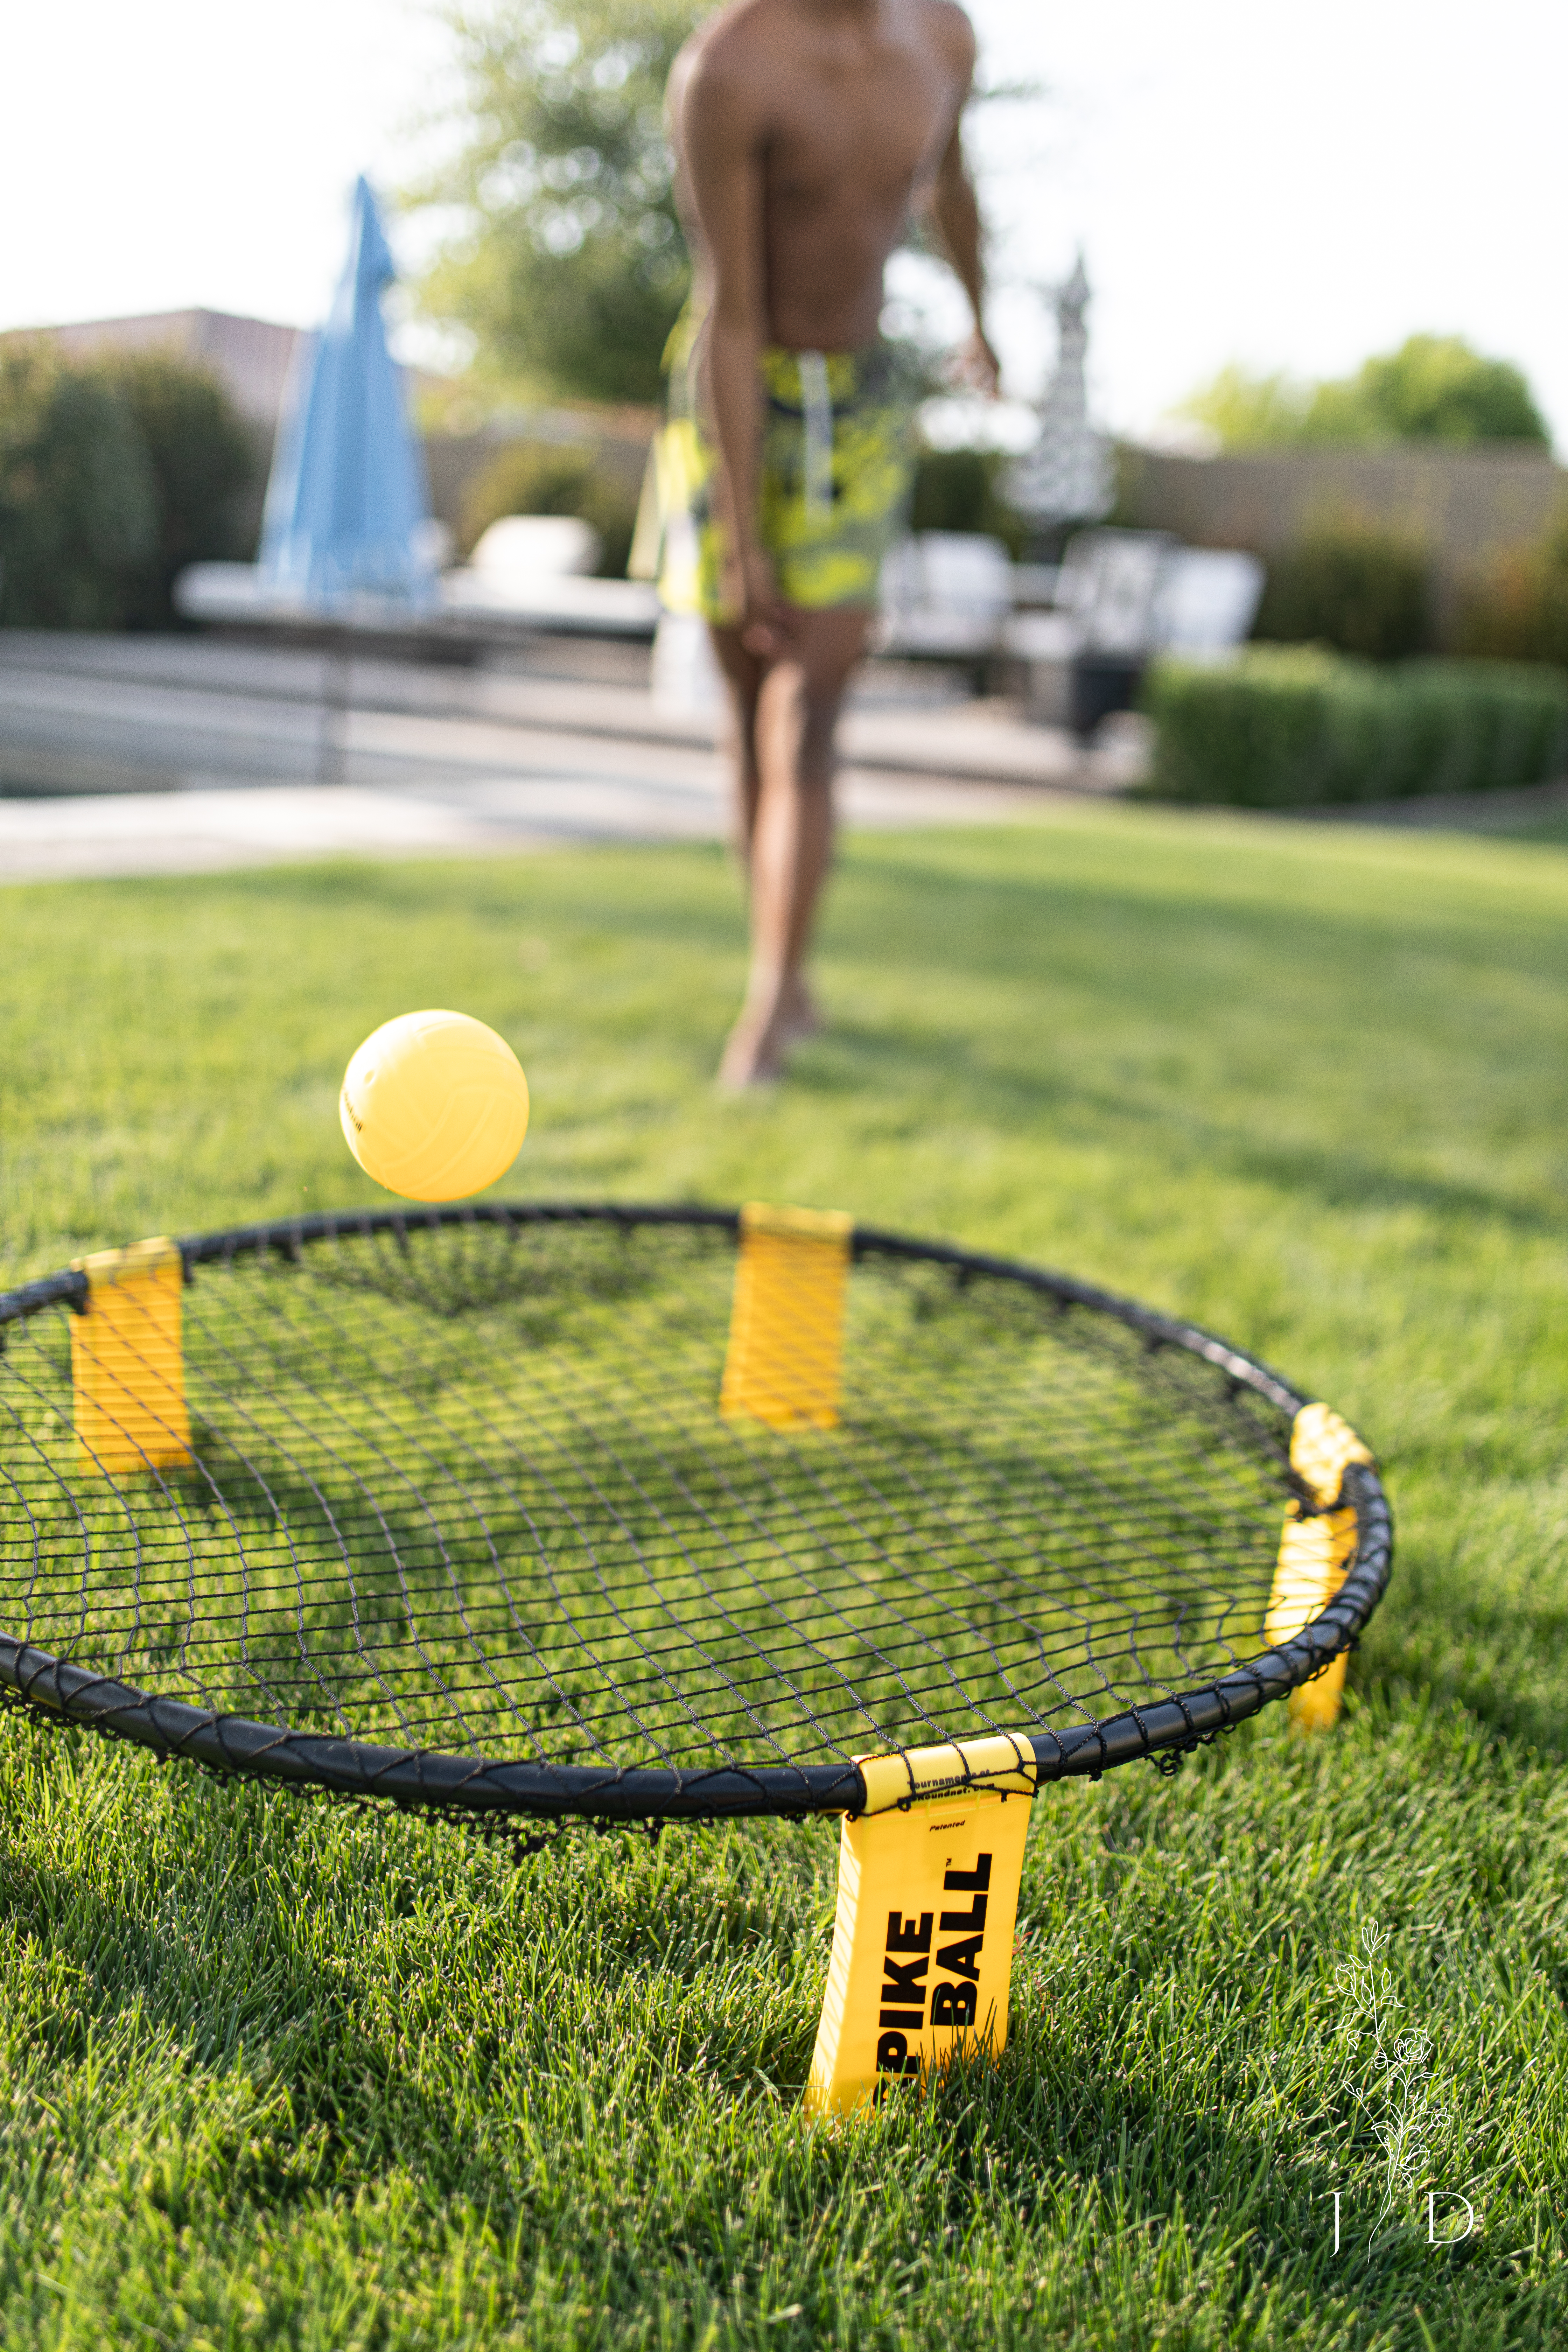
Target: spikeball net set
{"points": [[643, 1514]]}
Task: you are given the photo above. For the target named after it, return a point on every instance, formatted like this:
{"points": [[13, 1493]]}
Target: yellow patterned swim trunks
{"points": [[834, 468]]}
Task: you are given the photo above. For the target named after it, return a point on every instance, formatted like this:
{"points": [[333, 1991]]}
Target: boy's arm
{"points": [[952, 213], [722, 131], [955, 216]]}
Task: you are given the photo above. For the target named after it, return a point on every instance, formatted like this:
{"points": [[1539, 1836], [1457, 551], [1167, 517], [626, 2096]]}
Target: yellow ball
{"points": [[435, 1105]]}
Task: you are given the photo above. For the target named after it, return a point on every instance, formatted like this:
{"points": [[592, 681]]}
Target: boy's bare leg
{"points": [[743, 674], [785, 790]]}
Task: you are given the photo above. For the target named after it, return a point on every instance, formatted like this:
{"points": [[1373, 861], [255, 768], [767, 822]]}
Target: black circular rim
{"points": [[429, 1778]]}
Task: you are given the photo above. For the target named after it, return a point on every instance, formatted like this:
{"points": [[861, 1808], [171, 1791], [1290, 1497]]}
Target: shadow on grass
{"points": [[980, 1088]]}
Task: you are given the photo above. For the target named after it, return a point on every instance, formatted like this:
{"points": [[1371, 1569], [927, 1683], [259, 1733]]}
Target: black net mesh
{"points": [[469, 1490]]}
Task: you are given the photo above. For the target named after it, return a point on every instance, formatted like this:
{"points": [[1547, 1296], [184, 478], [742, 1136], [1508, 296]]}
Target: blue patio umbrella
{"points": [[348, 490]]}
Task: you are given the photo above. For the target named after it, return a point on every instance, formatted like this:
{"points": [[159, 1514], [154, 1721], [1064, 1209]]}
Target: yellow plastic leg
{"points": [[923, 1946], [128, 1365], [1314, 1554], [785, 1361]]}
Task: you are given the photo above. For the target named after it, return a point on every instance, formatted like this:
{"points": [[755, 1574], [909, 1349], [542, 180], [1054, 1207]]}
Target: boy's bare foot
{"points": [[799, 1015], [754, 1055], [764, 1034]]}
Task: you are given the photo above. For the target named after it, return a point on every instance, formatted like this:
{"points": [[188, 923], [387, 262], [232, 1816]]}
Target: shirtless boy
{"points": [[807, 132]]}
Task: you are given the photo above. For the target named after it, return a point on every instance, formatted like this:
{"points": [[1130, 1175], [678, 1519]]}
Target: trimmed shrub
{"points": [[1354, 586], [78, 500], [552, 477], [1300, 727]]}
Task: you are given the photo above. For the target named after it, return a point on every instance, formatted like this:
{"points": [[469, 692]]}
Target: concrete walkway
{"points": [[207, 825], [911, 719], [122, 756]]}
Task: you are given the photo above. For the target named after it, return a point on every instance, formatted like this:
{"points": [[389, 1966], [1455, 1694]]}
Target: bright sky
{"points": [[1291, 187]]}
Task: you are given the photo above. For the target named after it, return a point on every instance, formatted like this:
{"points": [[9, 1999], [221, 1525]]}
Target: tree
{"points": [[567, 266], [1437, 388], [1433, 388], [1249, 412]]}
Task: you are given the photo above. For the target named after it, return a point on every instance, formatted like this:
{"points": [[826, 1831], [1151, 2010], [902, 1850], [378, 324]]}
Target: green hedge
{"points": [[1300, 728]]}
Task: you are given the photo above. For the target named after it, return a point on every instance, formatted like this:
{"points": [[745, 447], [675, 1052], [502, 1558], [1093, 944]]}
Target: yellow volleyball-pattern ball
{"points": [[435, 1105]]}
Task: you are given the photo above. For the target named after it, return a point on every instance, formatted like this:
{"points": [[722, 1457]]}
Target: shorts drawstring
{"points": [[816, 403]]}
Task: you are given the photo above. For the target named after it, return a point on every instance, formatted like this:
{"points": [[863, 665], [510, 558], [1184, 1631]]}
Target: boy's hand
{"points": [[976, 367], [764, 625]]}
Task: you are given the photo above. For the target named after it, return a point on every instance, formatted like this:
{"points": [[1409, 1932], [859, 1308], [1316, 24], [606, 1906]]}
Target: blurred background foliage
{"points": [[1351, 583], [1433, 388], [1516, 605], [959, 489], [565, 263], [544, 478], [1357, 586], [113, 476]]}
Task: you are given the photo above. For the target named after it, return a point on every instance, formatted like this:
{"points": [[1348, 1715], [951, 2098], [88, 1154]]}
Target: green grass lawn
{"points": [[273, 2073]]}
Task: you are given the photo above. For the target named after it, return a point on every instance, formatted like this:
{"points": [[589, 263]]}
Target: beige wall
{"points": [[250, 357], [1464, 503]]}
